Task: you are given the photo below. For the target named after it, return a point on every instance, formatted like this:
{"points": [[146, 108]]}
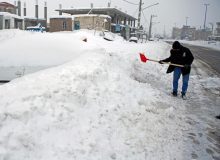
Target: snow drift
{"points": [[103, 104]]}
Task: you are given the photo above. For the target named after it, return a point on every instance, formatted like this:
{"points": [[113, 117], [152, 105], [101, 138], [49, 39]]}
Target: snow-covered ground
{"points": [[207, 44], [100, 102]]}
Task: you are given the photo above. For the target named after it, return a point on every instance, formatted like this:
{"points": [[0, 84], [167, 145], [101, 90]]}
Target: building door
{"points": [[76, 25], [7, 24]]}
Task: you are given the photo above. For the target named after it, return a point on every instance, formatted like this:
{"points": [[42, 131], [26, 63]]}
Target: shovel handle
{"points": [[172, 64]]}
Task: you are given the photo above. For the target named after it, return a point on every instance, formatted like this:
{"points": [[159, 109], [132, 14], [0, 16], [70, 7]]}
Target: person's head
{"points": [[176, 45]]}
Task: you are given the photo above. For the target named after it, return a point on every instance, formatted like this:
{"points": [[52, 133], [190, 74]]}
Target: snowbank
{"points": [[103, 104]]}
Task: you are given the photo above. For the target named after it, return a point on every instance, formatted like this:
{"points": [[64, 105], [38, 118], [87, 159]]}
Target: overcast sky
{"points": [[169, 12]]}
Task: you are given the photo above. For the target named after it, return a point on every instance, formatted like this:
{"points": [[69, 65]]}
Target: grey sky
{"points": [[169, 12]]}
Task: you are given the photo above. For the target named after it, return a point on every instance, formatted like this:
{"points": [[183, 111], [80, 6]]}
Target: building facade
{"points": [[11, 21], [202, 34], [8, 17], [7, 7], [121, 22], [61, 23], [70, 23], [190, 33], [97, 22], [176, 33]]}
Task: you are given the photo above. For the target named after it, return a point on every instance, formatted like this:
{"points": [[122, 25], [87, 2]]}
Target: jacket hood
{"points": [[176, 45]]}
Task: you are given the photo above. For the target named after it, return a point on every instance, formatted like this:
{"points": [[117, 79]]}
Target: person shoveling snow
{"points": [[180, 62], [183, 56]]}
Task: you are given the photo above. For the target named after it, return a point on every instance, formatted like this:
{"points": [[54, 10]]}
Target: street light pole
{"points": [[139, 14], [150, 28], [206, 6]]}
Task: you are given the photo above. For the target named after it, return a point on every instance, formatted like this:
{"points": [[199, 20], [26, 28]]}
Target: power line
{"points": [[146, 21], [135, 12], [130, 2]]}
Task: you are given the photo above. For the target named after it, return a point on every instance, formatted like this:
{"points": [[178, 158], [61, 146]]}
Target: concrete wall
{"points": [[93, 22], [86, 22], [56, 24], [1, 22]]}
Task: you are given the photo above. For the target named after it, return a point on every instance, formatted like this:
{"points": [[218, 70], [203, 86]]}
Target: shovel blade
{"points": [[143, 58]]}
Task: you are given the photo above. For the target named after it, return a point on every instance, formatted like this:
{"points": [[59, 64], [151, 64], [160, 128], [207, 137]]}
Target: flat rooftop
{"points": [[106, 11]]}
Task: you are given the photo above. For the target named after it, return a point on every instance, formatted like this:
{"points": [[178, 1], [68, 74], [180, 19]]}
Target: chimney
{"points": [[45, 11], [91, 5], [36, 9], [25, 10], [19, 8], [60, 8], [109, 4]]}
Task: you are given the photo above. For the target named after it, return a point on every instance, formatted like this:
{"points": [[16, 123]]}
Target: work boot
{"points": [[174, 93], [183, 96]]}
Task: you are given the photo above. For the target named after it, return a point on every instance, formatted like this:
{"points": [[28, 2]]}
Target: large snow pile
{"points": [[103, 104], [36, 49]]}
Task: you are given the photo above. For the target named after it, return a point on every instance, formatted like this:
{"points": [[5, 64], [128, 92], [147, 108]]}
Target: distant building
{"points": [[61, 23], [70, 23], [93, 21], [8, 17], [7, 7], [186, 32], [218, 28], [202, 34], [34, 21], [176, 33], [120, 22], [190, 33]]}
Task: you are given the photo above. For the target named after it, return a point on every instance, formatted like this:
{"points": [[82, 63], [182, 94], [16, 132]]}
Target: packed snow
{"points": [[98, 101], [208, 44]]}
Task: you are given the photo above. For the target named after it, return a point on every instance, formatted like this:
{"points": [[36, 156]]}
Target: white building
{"points": [[11, 21]]}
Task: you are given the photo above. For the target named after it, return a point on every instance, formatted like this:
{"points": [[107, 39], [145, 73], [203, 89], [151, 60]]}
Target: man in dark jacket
{"points": [[183, 56]]}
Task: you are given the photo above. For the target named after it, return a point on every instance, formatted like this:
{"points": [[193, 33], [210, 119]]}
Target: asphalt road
{"points": [[207, 55]]}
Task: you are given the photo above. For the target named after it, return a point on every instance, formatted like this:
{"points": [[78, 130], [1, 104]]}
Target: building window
{"points": [[64, 25]]}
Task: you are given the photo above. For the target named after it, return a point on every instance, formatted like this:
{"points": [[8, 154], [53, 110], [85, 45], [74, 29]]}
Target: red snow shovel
{"points": [[145, 59]]}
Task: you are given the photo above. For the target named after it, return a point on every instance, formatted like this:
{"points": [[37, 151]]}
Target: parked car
{"points": [[107, 35], [38, 28], [133, 39]]}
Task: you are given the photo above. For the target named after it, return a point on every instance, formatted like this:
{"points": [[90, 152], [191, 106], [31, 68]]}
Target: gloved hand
{"points": [[186, 66], [161, 62]]}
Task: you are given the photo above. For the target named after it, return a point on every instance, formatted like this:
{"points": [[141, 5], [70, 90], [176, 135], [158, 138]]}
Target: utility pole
{"points": [[150, 28], [206, 6], [139, 14], [186, 20], [212, 27], [164, 32]]}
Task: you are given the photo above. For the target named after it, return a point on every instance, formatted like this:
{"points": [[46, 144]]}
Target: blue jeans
{"points": [[176, 76]]}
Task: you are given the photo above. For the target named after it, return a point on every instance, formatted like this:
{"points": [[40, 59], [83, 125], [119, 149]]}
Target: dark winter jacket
{"points": [[182, 56]]}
